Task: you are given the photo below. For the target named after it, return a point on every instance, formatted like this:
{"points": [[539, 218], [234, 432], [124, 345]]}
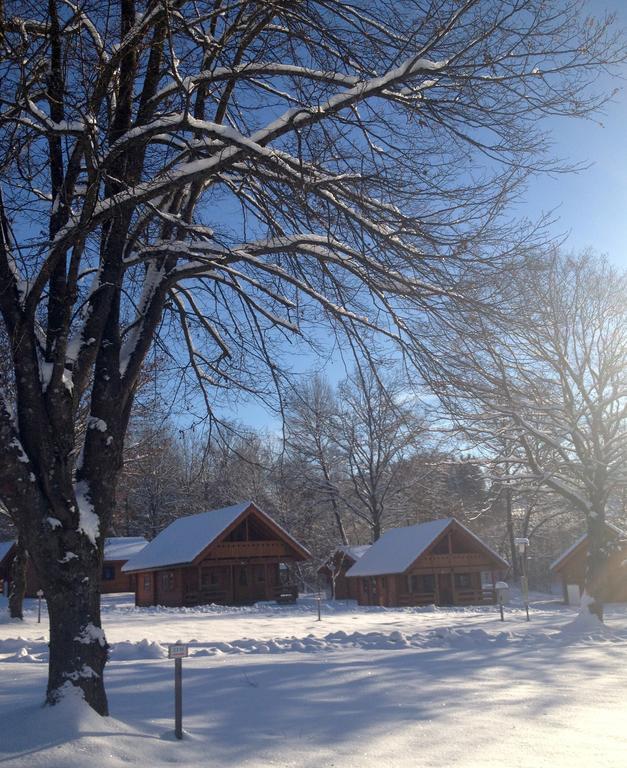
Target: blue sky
{"points": [[592, 204]]}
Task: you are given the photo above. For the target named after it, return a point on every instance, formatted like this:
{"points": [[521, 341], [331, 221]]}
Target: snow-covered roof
{"points": [[184, 539], [397, 549], [568, 552], [123, 547], [354, 551], [5, 547]]}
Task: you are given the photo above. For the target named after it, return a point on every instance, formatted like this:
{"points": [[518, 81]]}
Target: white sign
{"points": [[179, 651], [40, 593]]}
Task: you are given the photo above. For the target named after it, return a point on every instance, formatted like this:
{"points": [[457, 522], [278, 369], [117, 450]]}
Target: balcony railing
{"points": [[484, 596], [453, 560], [411, 599], [237, 549]]}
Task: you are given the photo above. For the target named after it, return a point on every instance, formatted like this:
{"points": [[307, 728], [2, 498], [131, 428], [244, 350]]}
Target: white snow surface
{"points": [[269, 686], [123, 547], [184, 539]]}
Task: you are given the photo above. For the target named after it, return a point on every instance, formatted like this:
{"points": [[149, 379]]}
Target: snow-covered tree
{"points": [[549, 384], [223, 175]]}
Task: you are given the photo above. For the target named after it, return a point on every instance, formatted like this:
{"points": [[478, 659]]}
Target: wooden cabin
{"points": [[234, 556], [117, 551], [570, 568], [7, 549], [440, 562], [334, 571]]}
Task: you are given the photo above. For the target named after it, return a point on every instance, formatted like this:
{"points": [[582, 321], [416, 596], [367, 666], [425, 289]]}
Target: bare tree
{"points": [[217, 178], [311, 415], [375, 429], [550, 383]]}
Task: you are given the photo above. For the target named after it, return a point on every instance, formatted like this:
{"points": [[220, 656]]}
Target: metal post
{"points": [[525, 586], [502, 614], [523, 548], [319, 616], [178, 698], [40, 594]]}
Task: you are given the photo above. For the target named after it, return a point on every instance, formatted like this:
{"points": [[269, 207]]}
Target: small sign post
{"points": [[178, 652], [40, 594], [319, 600]]}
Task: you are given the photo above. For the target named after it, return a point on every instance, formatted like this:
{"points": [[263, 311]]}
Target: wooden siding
{"points": [[121, 582], [235, 583], [613, 581]]}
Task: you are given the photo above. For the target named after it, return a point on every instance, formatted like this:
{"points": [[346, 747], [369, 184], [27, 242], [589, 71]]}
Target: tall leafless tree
{"points": [[223, 176], [377, 426], [311, 415], [550, 383]]}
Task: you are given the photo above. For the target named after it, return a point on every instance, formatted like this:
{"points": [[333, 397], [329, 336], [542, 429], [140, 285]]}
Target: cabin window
{"points": [[108, 572], [243, 577], [463, 580], [428, 582], [209, 577], [421, 582], [147, 582], [486, 579], [373, 585], [260, 573], [167, 581]]}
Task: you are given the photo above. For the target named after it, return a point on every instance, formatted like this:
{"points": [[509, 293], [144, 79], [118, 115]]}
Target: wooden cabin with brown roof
{"points": [[570, 568], [440, 562], [334, 571], [234, 556]]}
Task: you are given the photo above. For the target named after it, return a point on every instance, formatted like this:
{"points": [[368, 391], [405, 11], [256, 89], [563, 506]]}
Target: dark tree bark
{"points": [[17, 585], [78, 649]]}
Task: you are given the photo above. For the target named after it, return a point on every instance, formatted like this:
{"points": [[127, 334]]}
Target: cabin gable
{"points": [[252, 534]]}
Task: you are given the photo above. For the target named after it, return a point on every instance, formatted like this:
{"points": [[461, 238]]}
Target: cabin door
{"points": [[241, 584], [445, 588]]}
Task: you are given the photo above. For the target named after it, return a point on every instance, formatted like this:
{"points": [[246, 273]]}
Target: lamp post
{"points": [[522, 545]]}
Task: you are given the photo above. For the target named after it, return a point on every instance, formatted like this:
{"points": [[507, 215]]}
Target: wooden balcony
{"points": [[244, 549], [454, 560], [484, 596], [412, 599], [282, 593]]}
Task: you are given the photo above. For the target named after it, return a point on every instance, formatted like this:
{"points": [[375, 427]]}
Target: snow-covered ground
{"points": [[364, 687]]}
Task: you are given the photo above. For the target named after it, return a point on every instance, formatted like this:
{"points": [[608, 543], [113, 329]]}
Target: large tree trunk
{"points": [[78, 649], [596, 563], [17, 585]]}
